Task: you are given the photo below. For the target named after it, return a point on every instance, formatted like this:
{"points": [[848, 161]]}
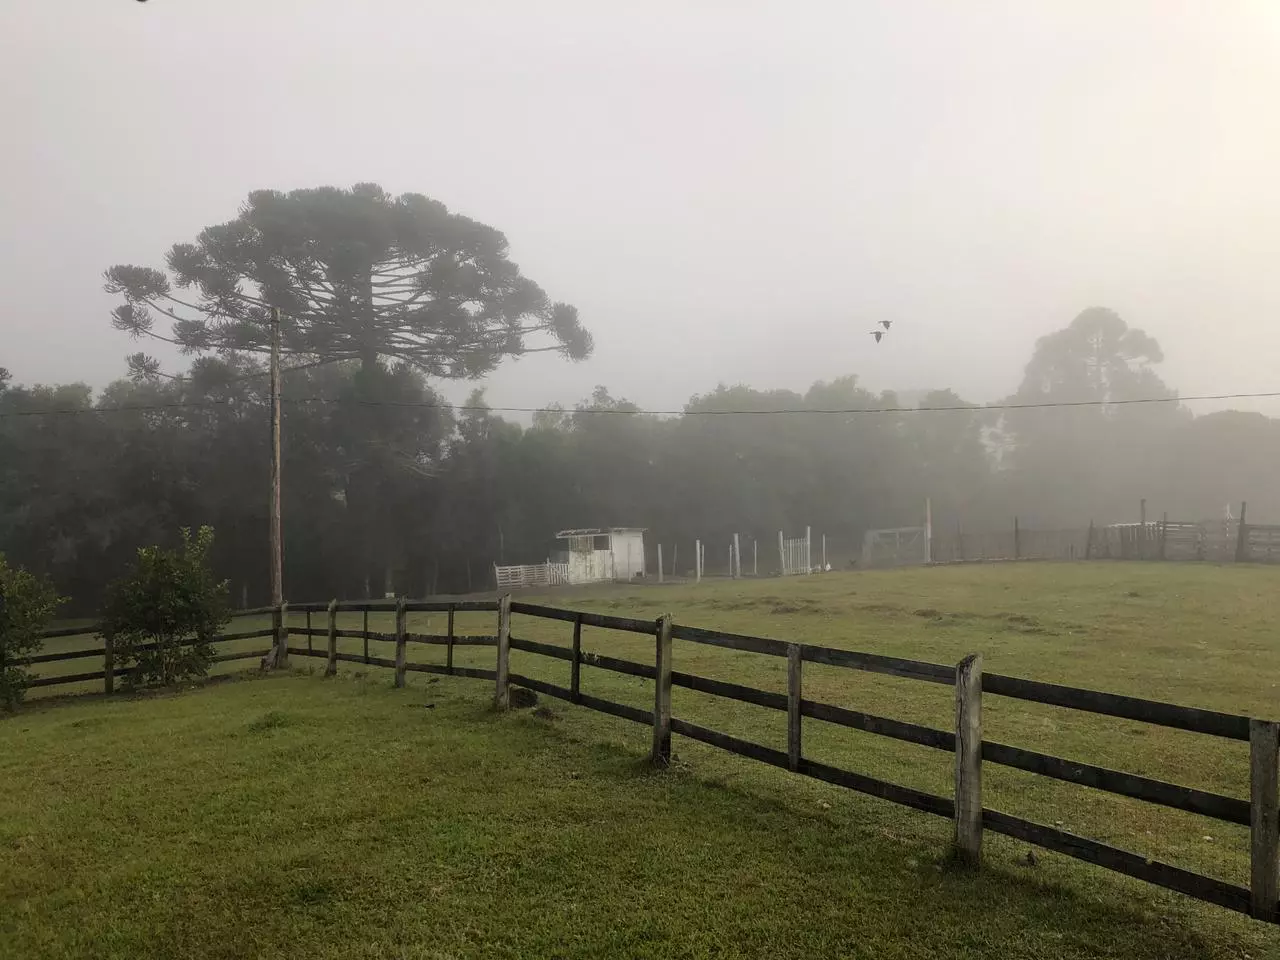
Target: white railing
{"points": [[545, 574]]}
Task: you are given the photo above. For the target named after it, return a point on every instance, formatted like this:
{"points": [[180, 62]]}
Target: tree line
{"points": [[387, 488]]}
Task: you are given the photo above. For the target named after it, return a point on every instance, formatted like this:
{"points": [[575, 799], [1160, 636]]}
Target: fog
{"points": [[729, 192]]}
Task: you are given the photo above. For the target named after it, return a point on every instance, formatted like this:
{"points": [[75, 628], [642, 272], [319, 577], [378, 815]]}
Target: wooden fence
{"points": [[965, 741]]}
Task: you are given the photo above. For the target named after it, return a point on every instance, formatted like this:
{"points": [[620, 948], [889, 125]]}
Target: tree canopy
{"points": [[358, 274]]}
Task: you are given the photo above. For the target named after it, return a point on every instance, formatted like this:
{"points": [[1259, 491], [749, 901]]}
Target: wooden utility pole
{"points": [[277, 543]]}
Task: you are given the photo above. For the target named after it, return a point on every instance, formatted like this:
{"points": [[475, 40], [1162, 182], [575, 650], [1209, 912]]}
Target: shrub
{"points": [[27, 604], [162, 616]]}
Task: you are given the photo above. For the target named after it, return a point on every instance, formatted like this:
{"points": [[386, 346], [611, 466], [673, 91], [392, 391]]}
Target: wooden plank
{"points": [[885, 727], [744, 748], [331, 667], [575, 674], [445, 606], [629, 667], [368, 661], [1229, 809], [876, 663], [543, 649], [240, 655], [731, 691], [68, 678], [906, 796], [590, 619], [1264, 822], [402, 621], [89, 630], [502, 692], [661, 753], [541, 686], [444, 640], [241, 635], [1121, 861], [634, 714], [968, 775], [1216, 724], [793, 705], [67, 655], [732, 641]]}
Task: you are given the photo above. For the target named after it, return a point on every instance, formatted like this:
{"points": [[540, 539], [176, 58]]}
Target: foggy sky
{"points": [[728, 191]]}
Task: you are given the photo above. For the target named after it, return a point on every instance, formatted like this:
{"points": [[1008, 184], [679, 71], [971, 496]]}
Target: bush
{"points": [[27, 604], [163, 615]]}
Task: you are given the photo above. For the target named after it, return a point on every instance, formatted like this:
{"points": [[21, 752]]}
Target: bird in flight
{"points": [[878, 334], [886, 324]]}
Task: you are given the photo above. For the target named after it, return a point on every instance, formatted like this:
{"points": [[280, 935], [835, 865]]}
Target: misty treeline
{"points": [[388, 488], [404, 494]]}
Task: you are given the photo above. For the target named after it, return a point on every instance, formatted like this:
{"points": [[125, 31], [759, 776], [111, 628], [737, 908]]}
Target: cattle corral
{"points": [[1197, 635]]}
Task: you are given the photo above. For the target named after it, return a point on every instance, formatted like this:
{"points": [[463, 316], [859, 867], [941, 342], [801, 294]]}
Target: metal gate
{"points": [[896, 547]]}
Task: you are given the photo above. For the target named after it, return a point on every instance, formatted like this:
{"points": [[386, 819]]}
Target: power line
{"points": [[787, 411]]}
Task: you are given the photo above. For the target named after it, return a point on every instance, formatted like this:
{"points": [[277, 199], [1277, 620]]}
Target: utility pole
{"points": [[277, 544]]}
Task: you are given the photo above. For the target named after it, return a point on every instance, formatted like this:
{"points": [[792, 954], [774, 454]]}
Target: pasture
{"points": [[294, 816]]}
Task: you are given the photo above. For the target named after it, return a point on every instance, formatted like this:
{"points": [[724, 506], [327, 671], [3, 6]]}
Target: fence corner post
{"points": [[793, 706], [662, 694], [402, 618], [331, 667], [281, 618], [1264, 822], [108, 666], [968, 789], [502, 693], [448, 654]]}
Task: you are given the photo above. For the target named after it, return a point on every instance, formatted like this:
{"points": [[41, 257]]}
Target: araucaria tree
{"points": [[396, 285], [358, 275]]}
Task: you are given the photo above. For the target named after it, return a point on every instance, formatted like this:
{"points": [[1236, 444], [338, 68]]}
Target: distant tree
{"points": [[359, 275], [27, 603], [162, 615]]}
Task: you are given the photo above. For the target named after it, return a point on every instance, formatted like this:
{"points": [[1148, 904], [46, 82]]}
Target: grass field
{"points": [[299, 817]]}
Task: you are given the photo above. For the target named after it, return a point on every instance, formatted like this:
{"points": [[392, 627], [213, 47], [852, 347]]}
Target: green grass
{"points": [[299, 817]]}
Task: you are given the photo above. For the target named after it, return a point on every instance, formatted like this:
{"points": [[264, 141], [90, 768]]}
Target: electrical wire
{"points": [[787, 411]]}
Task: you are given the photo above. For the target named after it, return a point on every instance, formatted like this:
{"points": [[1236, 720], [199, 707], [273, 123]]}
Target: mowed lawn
{"points": [[301, 817]]}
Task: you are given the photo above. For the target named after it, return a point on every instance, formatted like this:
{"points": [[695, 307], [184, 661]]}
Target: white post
{"points": [[755, 557], [824, 553], [782, 556], [808, 550], [659, 563], [737, 558], [697, 561], [928, 530], [731, 560]]}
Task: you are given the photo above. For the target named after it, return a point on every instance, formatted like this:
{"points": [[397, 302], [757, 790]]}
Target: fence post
{"points": [[659, 563], [697, 561], [1164, 533], [575, 668], [969, 759], [808, 550], [782, 556], [737, 558], [108, 666], [1264, 825], [402, 618], [755, 557], [1017, 540], [1088, 542], [793, 706], [332, 666], [1242, 536], [502, 693], [448, 650], [662, 694], [309, 649], [366, 633], [281, 617]]}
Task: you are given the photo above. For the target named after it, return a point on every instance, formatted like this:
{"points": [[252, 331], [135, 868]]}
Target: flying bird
{"points": [[877, 334], [886, 324]]}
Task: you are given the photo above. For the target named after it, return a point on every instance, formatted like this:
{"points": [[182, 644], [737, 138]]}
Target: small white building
{"points": [[595, 554], [592, 555]]}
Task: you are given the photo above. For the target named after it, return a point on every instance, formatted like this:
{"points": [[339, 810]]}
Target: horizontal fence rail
{"points": [[1261, 812]]}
